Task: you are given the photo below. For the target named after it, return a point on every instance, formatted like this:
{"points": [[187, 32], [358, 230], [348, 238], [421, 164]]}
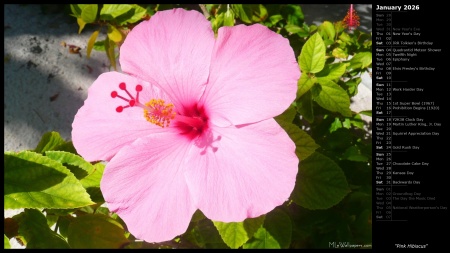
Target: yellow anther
{"points": [[159, 113]]}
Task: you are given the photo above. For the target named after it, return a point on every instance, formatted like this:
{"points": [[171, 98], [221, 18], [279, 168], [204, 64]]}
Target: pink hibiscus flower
{"points": [[189, 125]]}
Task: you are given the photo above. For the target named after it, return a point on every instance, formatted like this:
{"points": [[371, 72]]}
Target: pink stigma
{"points": [[132, 101]]}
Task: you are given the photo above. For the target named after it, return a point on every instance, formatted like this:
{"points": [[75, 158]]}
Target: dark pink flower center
{"points": [[193, 122]]}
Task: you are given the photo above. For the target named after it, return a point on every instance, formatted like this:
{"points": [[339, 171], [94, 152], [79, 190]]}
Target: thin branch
{"points": [[204, 10]]}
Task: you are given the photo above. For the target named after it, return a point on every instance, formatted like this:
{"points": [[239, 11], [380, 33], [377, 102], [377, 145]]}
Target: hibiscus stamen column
{"points": [[197, 123], [192, 121]]}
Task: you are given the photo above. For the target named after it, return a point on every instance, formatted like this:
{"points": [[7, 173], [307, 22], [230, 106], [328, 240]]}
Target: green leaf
{"points": [[235, 234], [275, 18], [67, 146], [72, 159], [259, 13], [205, 235], [36, 181], [363, 227], [305, 83], [332, 97], [109, 47], [364, 58], [105, 211], [305, 32], [332, 71], [198, 215], [163, 7], [275, 234], [312, 56], [305, 107], [305, 144], [51, 219], [335, 125], [33, 227], [76, 10], [250, 13], [96, 231], [81, 24], [132, 15], [49, 141], [87, 209], [228, 19], [217, 22], [367, 113], [354, 66], [111, 11], [293, 28], [339, 26], [339, 140], [279, 225], [61, 212], [292, 13], [63, 225], [326, 30], [262, 239], [328, 43], [346, 123], [321, 183], [288, 115], [353, 153], [89, 12], [243, 12], [94, 178], [100, 45], [351, 86], [91, 42], [345, 37], [6, 244], [137, 13], [339, 53], [92, 183], [114, 34], [357, 121]]}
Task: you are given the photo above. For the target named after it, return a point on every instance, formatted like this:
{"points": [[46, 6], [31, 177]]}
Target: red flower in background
{"points": [[351, 20]]}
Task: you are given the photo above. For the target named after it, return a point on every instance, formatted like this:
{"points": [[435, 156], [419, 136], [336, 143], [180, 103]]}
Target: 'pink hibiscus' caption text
{"points": [[189, 124]]}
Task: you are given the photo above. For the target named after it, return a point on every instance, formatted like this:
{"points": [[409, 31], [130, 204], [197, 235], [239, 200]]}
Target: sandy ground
{"points": [[45, 84]]}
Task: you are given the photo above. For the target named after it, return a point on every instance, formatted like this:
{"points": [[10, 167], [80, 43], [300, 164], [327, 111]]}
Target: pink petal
{"points": [[98, 131], [145, 185], [254, 75], [173, 50], [246, 171]]}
